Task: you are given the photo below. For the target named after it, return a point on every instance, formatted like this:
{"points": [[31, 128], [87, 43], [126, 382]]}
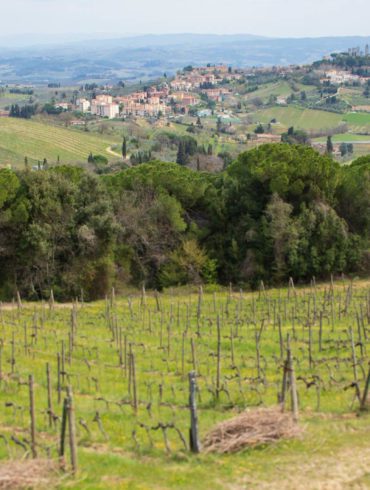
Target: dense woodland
{"points": [[275, 212]]}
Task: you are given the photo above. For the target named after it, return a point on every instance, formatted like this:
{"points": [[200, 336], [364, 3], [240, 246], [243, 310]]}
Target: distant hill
{"points": [[144, 57]]}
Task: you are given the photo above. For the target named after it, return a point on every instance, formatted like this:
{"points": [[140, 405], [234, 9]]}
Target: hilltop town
{"points": [[176, 96], [205, 115], [212, 83]]}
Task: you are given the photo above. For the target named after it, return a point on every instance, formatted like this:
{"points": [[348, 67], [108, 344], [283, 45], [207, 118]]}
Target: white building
{"points": [[103, 106], [83, 105], [105, 110]]}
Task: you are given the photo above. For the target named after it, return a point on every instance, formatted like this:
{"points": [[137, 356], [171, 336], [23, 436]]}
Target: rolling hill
{"points": [[36, 140]]}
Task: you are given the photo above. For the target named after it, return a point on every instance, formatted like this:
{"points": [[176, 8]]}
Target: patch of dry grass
{"points": [[251, 428], [28, 474]]}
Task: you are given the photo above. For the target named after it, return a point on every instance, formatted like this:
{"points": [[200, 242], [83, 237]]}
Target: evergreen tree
{"points": [[181, 154], [124, 148], [329, 145], [219, 125]]}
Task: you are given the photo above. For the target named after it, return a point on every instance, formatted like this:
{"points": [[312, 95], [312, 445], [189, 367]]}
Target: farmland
{"points": [[306, 119], [128, 358], [37, 140], [358, 121]]}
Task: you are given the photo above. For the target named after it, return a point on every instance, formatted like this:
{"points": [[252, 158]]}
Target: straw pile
{"points": [[28, 474], [251, 428]]}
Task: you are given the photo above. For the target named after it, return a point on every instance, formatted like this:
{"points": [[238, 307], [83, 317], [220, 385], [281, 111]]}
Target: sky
{"points": [[69, 19]]}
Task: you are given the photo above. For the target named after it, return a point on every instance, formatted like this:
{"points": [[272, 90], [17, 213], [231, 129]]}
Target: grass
{"points": [[345, 138], [279, 89], [358, 121], [265, 91], [354, 96], [306, 119], [6, 99], [36, 140], [158, 334]]}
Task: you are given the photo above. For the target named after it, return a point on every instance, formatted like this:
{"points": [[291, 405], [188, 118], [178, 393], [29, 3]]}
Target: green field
{"points": [[6, 99], [265, 91], [281, 88], [306, 119], [163, 340], [358, 121], [354, 96], [36, 140], [345, 138]]}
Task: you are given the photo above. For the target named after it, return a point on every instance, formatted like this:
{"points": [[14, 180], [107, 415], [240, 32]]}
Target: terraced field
{"points": [[20, 138]]}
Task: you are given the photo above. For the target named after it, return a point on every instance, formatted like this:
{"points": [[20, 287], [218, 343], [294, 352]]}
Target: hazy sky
{"points": [[267, 17]]}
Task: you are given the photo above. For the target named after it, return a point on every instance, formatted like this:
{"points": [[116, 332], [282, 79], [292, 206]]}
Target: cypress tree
{"points": [[124, 148], [181, 154]]}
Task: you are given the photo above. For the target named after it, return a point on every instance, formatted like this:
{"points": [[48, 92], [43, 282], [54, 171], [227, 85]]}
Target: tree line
{"points": [[278, 211]]}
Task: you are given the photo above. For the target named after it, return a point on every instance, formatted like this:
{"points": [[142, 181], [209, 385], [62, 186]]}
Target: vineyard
{"points": [[120, 368], [36, 141]]}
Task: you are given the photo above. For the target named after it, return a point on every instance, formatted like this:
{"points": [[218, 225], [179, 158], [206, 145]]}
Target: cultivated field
{"points": [[278, 89], [306, 119], [358, 121], [20, 138], [127, 360]]}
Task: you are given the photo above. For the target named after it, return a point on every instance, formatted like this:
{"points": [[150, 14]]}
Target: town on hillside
{"points": [[204, 116]]}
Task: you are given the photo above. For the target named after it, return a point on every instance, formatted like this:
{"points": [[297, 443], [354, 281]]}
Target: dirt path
{"points": [[111, 152], [348, 469]]}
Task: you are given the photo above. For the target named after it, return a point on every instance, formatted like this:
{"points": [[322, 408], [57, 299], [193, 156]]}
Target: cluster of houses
{"points": [[342, 77], [178, 95], [195, 78]]}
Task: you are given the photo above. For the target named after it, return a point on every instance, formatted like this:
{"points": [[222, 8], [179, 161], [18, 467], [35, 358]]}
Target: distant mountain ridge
{"points": [[145, 57]]}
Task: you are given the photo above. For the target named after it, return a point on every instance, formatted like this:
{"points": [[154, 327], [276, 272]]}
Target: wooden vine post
{"points": [[289, 382], [366, 391], [72, 430], [32, 416], [63, 431], [218, 370], [49, 387], [68, 418], [194, 436], [293, 385]]}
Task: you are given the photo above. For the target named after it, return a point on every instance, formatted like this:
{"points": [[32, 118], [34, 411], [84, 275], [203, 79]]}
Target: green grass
{"points": [[345, 138], [306, 119], [358, 121], [159, 334], [354, 96], [6, 99], [265, 91], [281, 88], [36, 140]]}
